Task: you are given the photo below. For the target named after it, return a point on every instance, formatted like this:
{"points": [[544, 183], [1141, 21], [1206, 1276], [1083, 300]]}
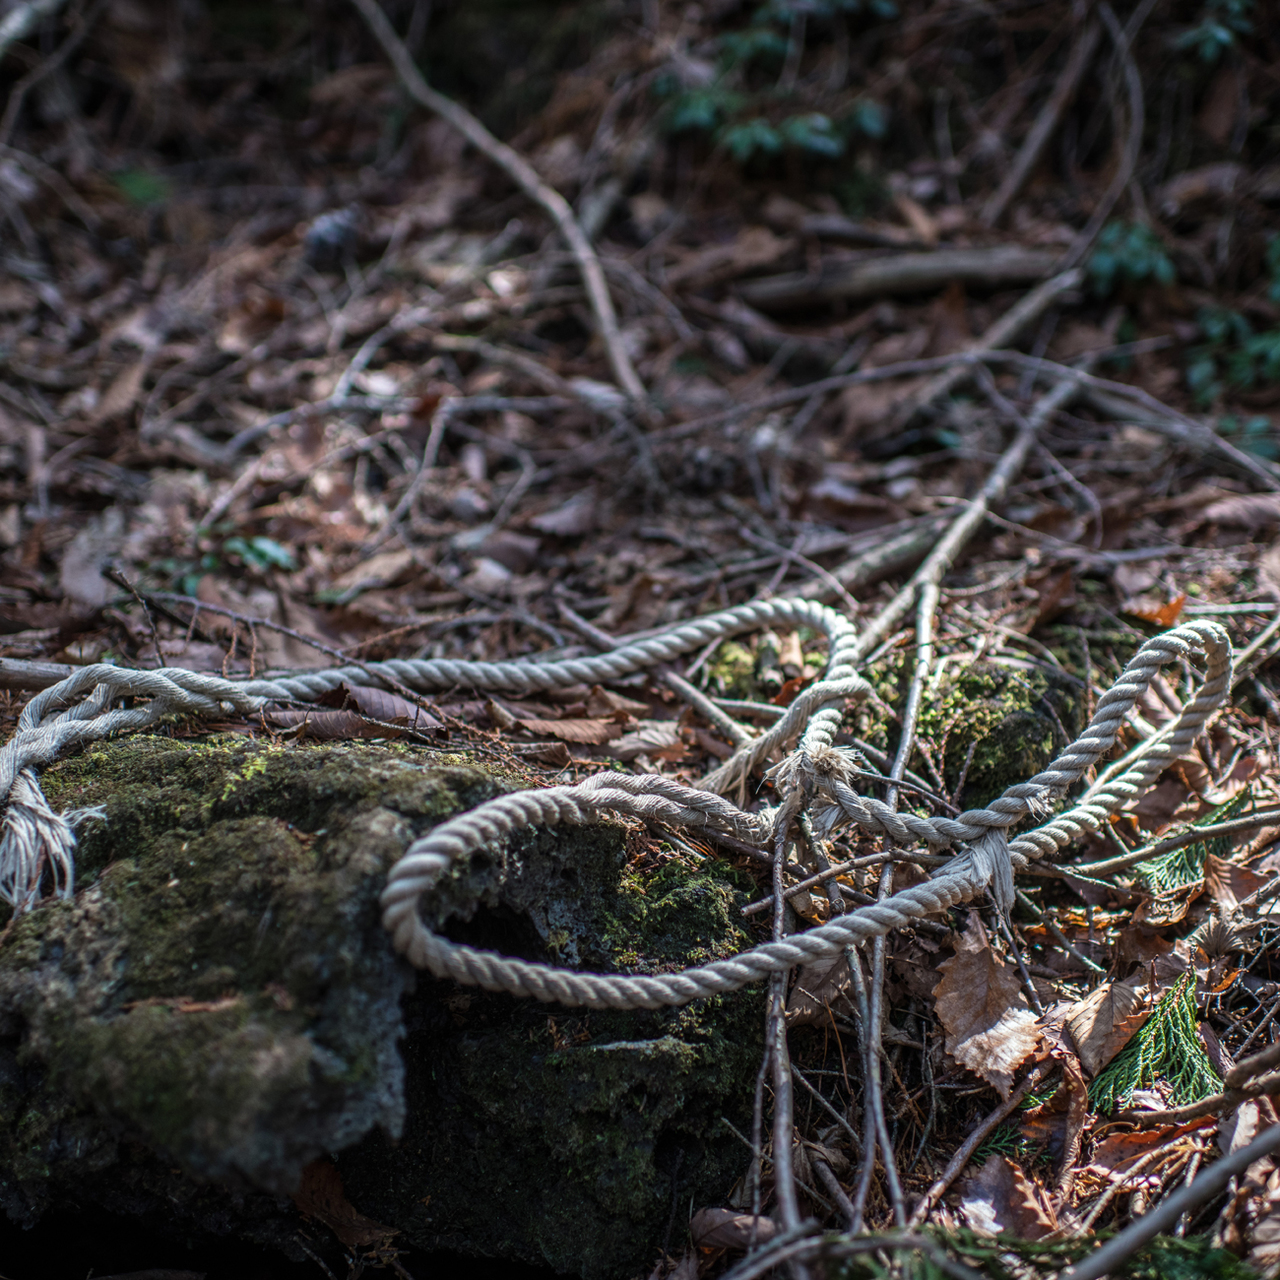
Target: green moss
{"points": [[221, 994], [731, 671], [1015, 720]]}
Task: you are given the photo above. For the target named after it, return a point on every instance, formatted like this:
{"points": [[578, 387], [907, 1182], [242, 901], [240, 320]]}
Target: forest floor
{"points": [[292, 375]]}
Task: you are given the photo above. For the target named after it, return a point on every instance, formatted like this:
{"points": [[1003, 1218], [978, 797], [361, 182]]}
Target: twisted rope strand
{"points": [[82, 709], [962, 879]]}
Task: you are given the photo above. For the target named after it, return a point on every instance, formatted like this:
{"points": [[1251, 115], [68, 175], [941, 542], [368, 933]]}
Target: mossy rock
{"points": [[218, 1007], [1015, 720]]}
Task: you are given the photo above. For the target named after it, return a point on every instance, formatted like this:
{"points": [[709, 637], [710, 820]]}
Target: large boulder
{"points": [[214, 1035]]}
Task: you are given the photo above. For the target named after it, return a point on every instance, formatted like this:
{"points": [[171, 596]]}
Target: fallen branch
{"points": [[900, 273], [944, 553], [1005, 330], [524, 175]]}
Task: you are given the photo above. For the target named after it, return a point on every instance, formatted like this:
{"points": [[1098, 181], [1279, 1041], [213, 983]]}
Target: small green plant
{"points": [[1221, 22], [1005, 1257], [260, 553], [1180, 867], [1232, 357], [141, 187], [1273, 267], [744, 110], [1129, 252], [186, 574], [1254, 435], [1166, 1049]]}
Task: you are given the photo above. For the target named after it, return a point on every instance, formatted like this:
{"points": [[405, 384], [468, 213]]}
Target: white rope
{"points": [[81, 710]]}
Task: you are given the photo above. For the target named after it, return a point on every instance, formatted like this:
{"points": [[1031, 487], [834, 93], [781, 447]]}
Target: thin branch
{"points": [[955, 1166], [1046, 122], [1236, 826], [524, 175], [1164, 1217], [949, 546]]}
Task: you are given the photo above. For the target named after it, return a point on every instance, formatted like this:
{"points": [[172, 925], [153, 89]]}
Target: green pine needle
{"points": [[1181, 867], [1167, 1048]]}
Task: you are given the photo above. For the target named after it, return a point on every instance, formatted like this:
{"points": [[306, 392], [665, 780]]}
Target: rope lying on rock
{"points": [[815, 773]]}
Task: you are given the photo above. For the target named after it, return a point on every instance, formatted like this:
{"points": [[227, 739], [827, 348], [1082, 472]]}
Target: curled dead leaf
{"points": [[321, 1196], [990, 1027], [817, 987], [1001, 1198], [1101, 1024]]}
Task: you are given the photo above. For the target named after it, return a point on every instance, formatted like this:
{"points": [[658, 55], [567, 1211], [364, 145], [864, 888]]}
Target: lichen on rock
{"points": [[218, 1006]]}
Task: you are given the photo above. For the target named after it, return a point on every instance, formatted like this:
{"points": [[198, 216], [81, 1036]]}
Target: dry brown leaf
{"points": [[755, 247], [1264, 1236], [378, 704], [321, 1196], [123, 393], [1229, 884], [330, 726], [1101, 1024], [569, 520], [555, 754], [727, 1229], [586, 731], [1058, 1125], [917, 217], [380, 570], [605, 703], [990, 1027], [1139, 943], [817, 987], [1114, 1153], [1001, 1198], [649, 736], [1163, 616]]}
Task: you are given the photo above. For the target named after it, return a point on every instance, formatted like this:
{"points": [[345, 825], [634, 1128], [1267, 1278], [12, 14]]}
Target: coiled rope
{"points": [[815, 773]]}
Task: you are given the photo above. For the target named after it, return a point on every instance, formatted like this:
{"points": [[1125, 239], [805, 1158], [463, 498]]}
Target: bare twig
{"points": [[1210, 1183], [1046, 122], [1236, 826], [944, 553], [23, 19], [708, 710], [524, 175], [902, 273], [1007, 329], [783, 1123], [955, 1166]]}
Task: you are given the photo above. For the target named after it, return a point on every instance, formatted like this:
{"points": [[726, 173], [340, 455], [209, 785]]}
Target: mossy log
{"points": [[218, 1013]]}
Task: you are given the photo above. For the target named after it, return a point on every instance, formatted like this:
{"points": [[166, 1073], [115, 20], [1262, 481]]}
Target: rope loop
{"points": [[988, 861], [814, 772]]}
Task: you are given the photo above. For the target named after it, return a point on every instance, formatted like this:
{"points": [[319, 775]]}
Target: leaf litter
{"points": [[315, 385]]}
